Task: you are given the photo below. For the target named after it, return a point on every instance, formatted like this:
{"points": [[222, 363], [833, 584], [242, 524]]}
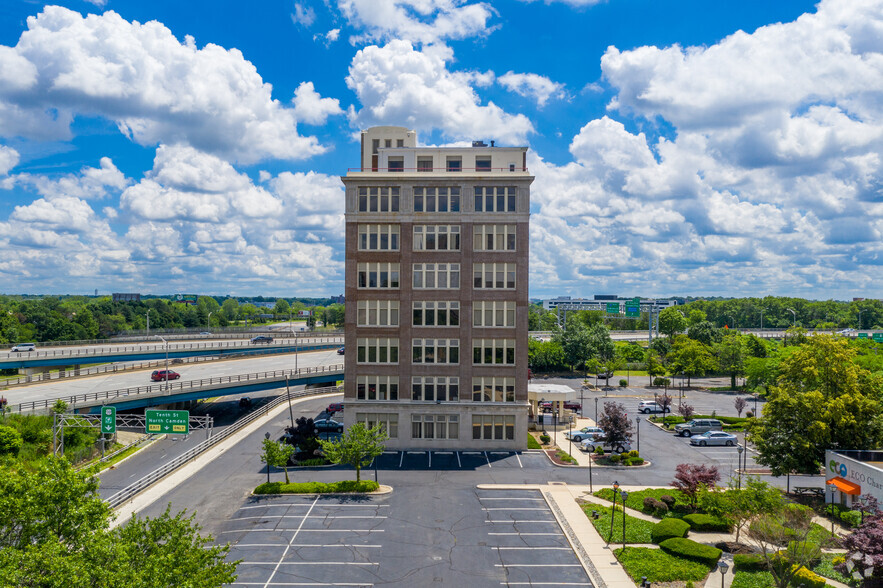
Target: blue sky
{"points": [[680, 147]]}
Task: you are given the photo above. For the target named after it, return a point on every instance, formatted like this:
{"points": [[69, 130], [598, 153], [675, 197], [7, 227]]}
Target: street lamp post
{"points": [[739, 466], [591, 459], [723, 567], [613, 512], [166, 344], [860, 319], [267, 436], [831, 490], [148, 321], [755, 405], [596, 412], [638, 427], [623, 494], [794, 314], [761, 319], [208, 321]]}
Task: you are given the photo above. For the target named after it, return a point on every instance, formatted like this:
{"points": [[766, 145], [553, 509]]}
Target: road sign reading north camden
{"points": [[108, 419], [173, 422]]}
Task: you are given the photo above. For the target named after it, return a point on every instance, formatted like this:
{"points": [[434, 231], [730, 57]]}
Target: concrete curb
{"points": [[381, 491], [647, 463]]}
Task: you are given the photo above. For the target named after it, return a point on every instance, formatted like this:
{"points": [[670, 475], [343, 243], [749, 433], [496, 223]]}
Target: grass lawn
{"points": [[532, 442], [825, 568], [659, 566], [636, 499], [752, 580], [821, 535], [636, 530]]}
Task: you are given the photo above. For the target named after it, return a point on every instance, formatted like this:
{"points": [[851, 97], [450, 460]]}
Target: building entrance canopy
{"points": [[557, 394]]}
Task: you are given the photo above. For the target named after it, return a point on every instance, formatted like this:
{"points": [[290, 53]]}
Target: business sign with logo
{"points": [[304, 313], [186, 298], [866, 476]]}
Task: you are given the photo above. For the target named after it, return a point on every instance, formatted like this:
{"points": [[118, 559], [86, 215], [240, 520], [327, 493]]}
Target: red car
{"points": [[164, 375], [334, 407]]}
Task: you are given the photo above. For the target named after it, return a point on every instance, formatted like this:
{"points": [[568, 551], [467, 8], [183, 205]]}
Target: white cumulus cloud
{"points": [[418, 21], [531, 85], [311, 108]]}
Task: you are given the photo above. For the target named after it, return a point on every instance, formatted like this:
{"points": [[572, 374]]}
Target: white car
{"points": [[714, 438], [584, 433], [592, 444], [24, 347], [648, 406]]}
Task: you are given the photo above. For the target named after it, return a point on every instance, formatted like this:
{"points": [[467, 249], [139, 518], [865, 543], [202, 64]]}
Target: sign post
{"points": [[108, 419], [173, 422]]}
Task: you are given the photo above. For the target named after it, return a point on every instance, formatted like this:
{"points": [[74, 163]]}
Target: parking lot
{"points": [[458, 460], [416, 536]]}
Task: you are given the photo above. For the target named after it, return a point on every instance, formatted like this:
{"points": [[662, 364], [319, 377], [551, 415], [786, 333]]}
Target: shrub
{"points": [[655, 507], [545, 439], [599, 450], [668, 500], [623, 383], [615, 457], [705, 554], [853, 518], [649, 504], [807, 579], [633, 453], [749, 414], [317, 461], [316, 487], [749, 563], [661, 381], [704, 522], [636, 461], [807, 551], [10, 441], [667, 529]]}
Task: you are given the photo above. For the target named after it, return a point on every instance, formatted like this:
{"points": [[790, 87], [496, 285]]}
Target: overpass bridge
{"points": [[182, 391], [109, 353]]}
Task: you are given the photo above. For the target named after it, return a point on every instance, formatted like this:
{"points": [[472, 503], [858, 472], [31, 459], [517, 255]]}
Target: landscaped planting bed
{"points": [[636, 499], [636, 530], [659, 566]]}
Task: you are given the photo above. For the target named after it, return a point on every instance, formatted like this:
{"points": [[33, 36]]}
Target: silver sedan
{"points": [[714, 438]]}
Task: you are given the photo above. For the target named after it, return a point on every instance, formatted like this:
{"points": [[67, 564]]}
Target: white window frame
{"points": [[435, 426], [493, 313], [495, 199], [388, 421], [493, 389], [493, 351], [443, 313], [494, 276], [429, 237], [377, 350], [372, 237], [435, 388], [379, 199], [502, 238], [493, 427], [426, 351], [385, 388], [377, 313], [437, 199], [366, 272], [436, 276]]}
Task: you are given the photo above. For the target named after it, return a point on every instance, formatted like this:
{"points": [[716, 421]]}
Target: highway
{"points": [[193, 371]]}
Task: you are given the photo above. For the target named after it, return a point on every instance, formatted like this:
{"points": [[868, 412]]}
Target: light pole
{"points": [[729, 316], [762, 310], [831, 490], [267, 436], [166, 344], [596, 412], [591, 459], [208, 321], [860, 319], [623, 494], [638, 423], [755, 407], [739, 466], [148, 321], [794, 314], [723, 567], [613, 512]]}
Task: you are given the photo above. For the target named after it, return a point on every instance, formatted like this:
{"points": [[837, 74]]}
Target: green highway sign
{"points": [[632, 309], [174, 422], [863, 336], [108, 419], [613, 308]]}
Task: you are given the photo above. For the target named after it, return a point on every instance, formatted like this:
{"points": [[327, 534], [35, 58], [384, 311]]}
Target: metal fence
{"points": [[170, 388], [158, 474]]}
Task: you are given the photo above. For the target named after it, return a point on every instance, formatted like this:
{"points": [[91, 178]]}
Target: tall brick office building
{"points": [[437, 292]]}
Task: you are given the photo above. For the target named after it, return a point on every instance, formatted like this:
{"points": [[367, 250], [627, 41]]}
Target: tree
{"points": [[864, 546], [704, 332], [686, 411], [357, 447], [10, 441], [653, 365], [574, 339], [689, 478], [788, 528], [671, 321], [740, 506], [277, 455], [664, 400], [730, 353], [616, 424], [740, 404], [282, 307], [696, 316], [690, 357], [55, 532], [303, 435]]}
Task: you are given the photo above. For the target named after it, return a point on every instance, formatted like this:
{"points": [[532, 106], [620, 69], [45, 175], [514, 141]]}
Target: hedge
{"points": [[317, 487], [749, 563], [809, 551], [689, 549], [704, 522], [808, 579], [667, 529]]}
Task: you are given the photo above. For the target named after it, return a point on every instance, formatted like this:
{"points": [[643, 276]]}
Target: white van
{"points": [[24, 347]]}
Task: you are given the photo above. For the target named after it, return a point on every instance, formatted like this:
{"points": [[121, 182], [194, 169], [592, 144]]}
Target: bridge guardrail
{"points": [[172, 348], [167, 388], [131, 490]]}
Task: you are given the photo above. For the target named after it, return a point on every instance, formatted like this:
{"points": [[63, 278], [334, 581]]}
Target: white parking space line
{"points": [[511, 498], [359, 584], [401, 458], [310, 563], [506, 508], [308, 504], [488, 460], [430, 459], [531, 534], [519, 461], [471, 452], [312, 517], [347, 545], [538, 565], [304, 531], [545, 584], [534, 548], [525, 521], [500, 452], [287, 547]]}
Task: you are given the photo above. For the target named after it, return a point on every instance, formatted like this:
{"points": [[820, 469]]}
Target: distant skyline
{"points": [[720, 149]]}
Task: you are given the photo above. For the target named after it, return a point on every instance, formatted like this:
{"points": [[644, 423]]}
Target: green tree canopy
{"points": [[671, 321], [690, 357], [357, 447]]}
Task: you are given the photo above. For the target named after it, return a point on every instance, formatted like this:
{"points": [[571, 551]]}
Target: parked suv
{"points": [[163, 375], [24, 347], [262, 339], [698, 426], [648, 406]]}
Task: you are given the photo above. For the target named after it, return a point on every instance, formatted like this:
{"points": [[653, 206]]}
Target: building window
{"points": [[389, 422], [438, 276], [388, 143], [375, 145], [379, 237], [435, 426], [500, 276], [436, 314], [396, 164], [400, 143], [493, 237], [379, 199], [436, 199], [493, 427], [424, 164], [377, 387], [435, 389], [378, 313], [435, 350], [378, 275], [377, 350], [488, 313], [495, 199], [483, 164], [493, 389], [436, 237], [493, 351], [455, 164], [511, 167]]}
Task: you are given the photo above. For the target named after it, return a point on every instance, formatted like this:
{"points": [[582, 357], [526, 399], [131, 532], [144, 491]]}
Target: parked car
{"points": [[595, 442], [572, 405], [164, 375], [24, 347], [244, 402], [262, 339], [714, 438], [341, 351], [584, 433], [328, 426], [648, 406], [698, 427], [206, 333], [334, 407]]}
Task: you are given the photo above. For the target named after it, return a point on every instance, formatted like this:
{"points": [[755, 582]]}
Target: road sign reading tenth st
{"points": [[174, 422]]}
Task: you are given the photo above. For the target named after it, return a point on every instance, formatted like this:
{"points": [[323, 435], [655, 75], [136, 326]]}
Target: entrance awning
{"points": [[845, 486]]}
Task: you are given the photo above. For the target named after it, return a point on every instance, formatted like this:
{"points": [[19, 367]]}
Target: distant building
{"points": [[123, 297], [852, 473], [338, 299], [600, 302], [436, 285]]}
